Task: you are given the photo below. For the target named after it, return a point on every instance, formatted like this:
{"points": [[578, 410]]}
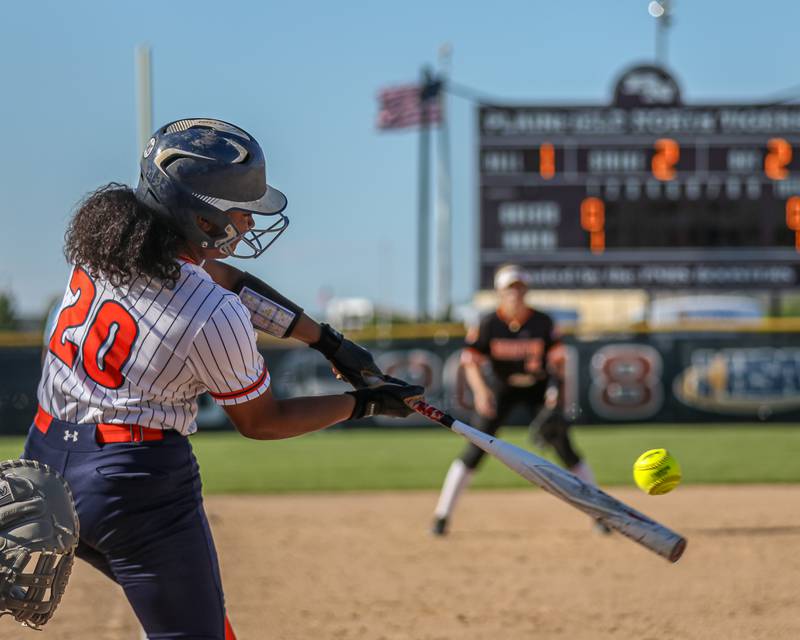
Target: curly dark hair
{"points": [[115, 236]]}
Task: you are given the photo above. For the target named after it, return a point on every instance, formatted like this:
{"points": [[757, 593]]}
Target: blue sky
{"points": [[302, 77]]}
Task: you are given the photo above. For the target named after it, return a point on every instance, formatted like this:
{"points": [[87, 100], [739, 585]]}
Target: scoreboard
{"points": [[643, 193]]}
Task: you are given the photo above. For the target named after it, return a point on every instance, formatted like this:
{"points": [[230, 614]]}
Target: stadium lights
{"points": [[661, 10], [656, 9]]}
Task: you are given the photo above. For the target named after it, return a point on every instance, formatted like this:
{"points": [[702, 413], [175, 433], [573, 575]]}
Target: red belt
{"points": [[106, 433]]}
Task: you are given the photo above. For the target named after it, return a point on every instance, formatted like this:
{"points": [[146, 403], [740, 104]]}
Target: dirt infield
{"points": [[518, 564]]}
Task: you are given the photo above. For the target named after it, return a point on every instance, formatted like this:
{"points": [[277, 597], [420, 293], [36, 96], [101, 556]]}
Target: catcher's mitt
{"points": [[38, 536]]}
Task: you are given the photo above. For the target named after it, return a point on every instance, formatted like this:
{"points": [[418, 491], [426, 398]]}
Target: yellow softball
{"points": [[656, 472]]}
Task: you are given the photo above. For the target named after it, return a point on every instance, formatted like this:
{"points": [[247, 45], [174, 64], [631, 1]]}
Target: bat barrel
{"points": [[641, 529], [572, 490], [677, 550], [569, 488]]}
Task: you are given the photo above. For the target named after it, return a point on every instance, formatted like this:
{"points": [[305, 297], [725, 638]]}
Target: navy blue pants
{"points": [[142, 524]]}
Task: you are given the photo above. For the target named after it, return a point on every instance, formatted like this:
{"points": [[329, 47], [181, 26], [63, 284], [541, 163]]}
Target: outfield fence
{"points": [[679, 375]]}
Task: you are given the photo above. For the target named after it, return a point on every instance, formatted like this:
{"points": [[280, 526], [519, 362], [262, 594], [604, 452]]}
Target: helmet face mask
{"points": [[232, 239], [203, 168]]}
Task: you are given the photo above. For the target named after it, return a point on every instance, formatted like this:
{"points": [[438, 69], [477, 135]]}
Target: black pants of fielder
{"points": [[555, 432]]}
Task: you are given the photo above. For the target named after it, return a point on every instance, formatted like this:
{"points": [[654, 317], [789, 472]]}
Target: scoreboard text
{"points": [[644, 193]]}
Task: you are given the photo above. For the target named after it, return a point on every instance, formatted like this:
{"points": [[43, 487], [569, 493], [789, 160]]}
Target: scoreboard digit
{"points": [[593, 221]]}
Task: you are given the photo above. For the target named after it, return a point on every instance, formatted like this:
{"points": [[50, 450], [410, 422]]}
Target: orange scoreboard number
{"points": [[547, 160], [779, 154], [593, 220], [667, 154], [793, 219]]}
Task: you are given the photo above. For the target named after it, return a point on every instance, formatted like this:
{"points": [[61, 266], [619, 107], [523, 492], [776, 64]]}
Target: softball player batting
{"points": [[149, 322]]}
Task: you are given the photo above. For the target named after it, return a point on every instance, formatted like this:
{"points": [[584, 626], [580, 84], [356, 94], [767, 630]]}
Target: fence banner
{"points": [[638, 377]]}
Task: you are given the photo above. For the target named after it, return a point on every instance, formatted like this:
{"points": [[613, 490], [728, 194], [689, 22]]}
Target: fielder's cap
{"points": [[508, 275]]}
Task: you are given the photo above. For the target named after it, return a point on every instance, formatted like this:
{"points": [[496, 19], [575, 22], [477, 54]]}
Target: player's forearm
{"points": [[277, 315], [556, 360], [296, 416], [475, 379], [305, 329]]}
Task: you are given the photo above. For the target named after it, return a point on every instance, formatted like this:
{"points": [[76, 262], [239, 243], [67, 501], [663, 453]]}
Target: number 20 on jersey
{"points": [[109, 337]]}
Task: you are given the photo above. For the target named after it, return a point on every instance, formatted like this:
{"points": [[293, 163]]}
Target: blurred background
{"points": [[639, 159]]}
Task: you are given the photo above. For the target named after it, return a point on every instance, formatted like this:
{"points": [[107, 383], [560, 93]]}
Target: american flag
{"points": [[402, 107]]}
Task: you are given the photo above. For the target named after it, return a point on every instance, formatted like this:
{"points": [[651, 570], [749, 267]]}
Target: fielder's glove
{"points": [[353, 362], [38, 537], [385, 400]]}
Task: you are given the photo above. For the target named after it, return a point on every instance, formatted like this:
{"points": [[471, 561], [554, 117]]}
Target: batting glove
{"points": [[353, 362], [385, 400]]}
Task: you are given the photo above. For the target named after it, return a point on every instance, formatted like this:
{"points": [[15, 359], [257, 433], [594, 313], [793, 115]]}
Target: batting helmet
{"points": [[204, 168]]}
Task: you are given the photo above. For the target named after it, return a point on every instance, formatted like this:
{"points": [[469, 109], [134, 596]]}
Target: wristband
{"points": [[365, 406], [329, 341]]}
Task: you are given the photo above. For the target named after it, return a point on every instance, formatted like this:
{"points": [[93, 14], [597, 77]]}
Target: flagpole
{"points": [[444, 202], [423, 205]]}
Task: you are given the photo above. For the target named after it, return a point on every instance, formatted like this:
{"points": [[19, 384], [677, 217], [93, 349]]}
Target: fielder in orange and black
{"points": [[522, 348]]}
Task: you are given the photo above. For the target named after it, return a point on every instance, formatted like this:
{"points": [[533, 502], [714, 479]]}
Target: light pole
{"points": [[444, 216], [661, 10], [423, 205], [144, 96]]}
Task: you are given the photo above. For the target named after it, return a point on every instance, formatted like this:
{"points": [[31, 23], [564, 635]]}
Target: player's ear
{"points": [[205, 225]]}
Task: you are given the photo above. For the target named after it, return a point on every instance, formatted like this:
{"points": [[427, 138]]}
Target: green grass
{"points": [[343, 460]]}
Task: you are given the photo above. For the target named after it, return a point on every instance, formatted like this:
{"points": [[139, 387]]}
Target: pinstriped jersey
{"points": [[142, 353]]}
